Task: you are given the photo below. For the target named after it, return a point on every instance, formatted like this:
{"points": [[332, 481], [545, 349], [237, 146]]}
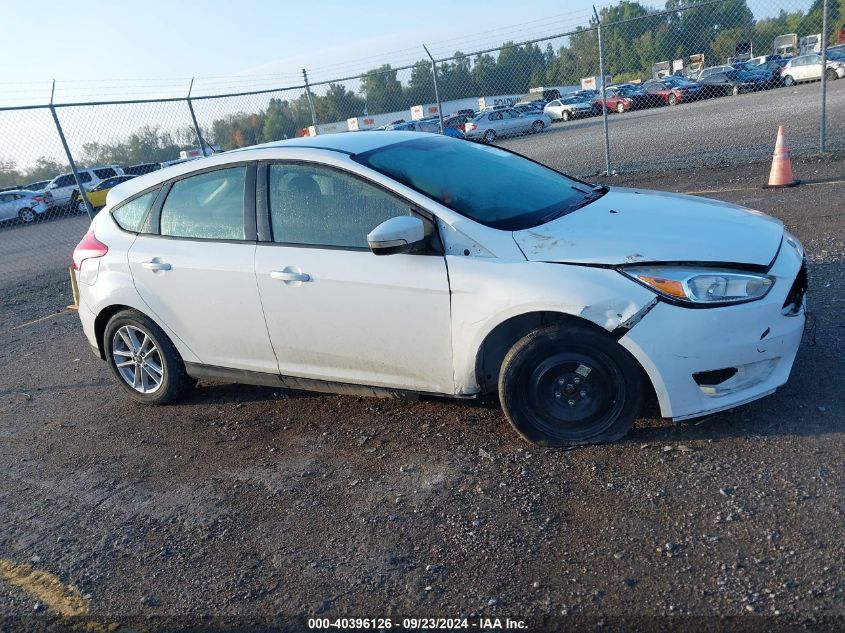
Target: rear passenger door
{"points": [[334, 310], [194, 267]]}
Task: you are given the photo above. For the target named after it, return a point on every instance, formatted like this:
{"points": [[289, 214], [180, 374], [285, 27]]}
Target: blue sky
{"points": [[171, 41]]}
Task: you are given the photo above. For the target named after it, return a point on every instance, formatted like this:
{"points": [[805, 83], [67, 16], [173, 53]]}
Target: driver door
{"points": [[334, 310]]}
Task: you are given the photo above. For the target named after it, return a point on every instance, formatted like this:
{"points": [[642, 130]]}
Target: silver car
{"points": [[490, 125], [23, 205], [568, 108]]}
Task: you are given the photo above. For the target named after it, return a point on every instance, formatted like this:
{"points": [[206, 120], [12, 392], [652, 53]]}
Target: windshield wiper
{"points": [[595, 192]]}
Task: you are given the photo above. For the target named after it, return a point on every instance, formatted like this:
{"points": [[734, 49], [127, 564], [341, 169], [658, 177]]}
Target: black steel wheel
{"points": [[570, 384]]}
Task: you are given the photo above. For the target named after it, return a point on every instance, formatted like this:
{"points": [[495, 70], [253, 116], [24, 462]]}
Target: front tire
{"points": [[569, 384], [672, 100], [80, 206], [537, 127], [620, 108], [565, 116], [144, 360], [831, 75]]}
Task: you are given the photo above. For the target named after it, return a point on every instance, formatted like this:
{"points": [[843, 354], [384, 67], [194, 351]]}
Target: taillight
{"points": [[37, 198], [89, 248], [470, 126]]}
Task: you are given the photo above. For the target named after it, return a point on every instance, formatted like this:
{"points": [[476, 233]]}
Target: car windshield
{"points": [[486, 184]]}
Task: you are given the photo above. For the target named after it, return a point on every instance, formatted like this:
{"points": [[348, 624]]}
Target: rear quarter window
{"points": [[130, 215]]}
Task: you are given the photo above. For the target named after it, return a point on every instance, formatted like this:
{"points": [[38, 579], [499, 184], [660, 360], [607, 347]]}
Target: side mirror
{"points": [[402, 234]]}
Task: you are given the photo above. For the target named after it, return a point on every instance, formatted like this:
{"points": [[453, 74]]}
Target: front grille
{"points": [[796, 293]]}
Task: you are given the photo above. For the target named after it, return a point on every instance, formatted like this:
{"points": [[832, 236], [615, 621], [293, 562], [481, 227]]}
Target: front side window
{"points": [[486, 184], [130, 214], [64, 181], [206, 206], [318, 206], [84, 176]]}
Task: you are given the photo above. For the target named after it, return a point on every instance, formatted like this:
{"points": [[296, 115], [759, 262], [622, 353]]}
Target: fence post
{"points": [[603, 95], [310, 102], [823, 120], [200, 140], [436, 91], [88, 208]]}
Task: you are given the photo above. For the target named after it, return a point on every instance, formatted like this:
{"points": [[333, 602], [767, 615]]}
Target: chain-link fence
{"points": [[625, 87]]}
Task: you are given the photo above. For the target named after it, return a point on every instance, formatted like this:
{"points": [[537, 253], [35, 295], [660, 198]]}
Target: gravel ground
{"points": [[258, 507], [724, 131]]}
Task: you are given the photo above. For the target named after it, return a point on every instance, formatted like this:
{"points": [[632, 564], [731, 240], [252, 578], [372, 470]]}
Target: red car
{"points": [[616, 101], [457, 121], [673, 90]]}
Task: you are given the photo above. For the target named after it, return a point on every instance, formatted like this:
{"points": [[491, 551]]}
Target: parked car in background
{"points": [[729, 82], [672, 90], [770, 66], [465, 111], [97, 194], [488, 125], [23, 205], [809, 68], [457, 121], [713, 70], [461, 271], [62, 187], [41, 185], [431, 126], [141, 169], [524, 108], [568, 108], [616, 101]]}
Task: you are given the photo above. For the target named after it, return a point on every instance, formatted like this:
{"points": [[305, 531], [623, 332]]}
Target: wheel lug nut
{"points": [[557, 394], [576, 380], [583, 393], [571, 403], [561, 381]]}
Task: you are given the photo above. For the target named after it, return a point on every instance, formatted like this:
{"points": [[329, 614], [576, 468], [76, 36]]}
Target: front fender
{"points": [[486, 292]]}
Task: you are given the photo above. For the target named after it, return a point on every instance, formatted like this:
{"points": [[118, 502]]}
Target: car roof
{"points": [[350, 143], [346, 142]]}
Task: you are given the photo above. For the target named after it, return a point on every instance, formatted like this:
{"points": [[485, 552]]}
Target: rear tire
{"points": [[620, 108], [27, 215], [537, 127], [831, 75], [672, 100], [788, 81], [174, 382], [570, 384], [565, 116], [489, 136]]}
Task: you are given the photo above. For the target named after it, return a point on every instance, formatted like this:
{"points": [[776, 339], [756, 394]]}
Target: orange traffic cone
{"points": [[781, 174]]}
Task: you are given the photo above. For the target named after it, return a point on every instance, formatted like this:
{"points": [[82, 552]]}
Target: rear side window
{"points": [[65, 181], [84, 176], [207, 206], [106, 172], [130, 214]]}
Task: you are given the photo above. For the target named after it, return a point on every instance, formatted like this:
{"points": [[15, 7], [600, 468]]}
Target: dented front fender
{"points": [[487, 292]]}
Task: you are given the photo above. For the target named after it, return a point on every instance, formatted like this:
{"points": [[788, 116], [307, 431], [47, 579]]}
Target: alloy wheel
{"points": [[137, 359]]}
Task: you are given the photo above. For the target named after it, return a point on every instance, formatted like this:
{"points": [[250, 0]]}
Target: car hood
{"points": [[627, 226]]}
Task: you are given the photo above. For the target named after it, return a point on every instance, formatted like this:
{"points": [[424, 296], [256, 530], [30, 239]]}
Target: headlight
{"points": [[702, 286]]}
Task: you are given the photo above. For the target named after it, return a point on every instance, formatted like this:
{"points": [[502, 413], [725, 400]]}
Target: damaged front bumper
{"points": [[705, 360]]}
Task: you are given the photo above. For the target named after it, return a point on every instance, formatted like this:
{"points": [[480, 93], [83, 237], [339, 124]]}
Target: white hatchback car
{"points": [[398, 262]]}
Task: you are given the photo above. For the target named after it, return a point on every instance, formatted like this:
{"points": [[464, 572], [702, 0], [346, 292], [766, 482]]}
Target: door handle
{"points": [[287, 275], [154, 265]]}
